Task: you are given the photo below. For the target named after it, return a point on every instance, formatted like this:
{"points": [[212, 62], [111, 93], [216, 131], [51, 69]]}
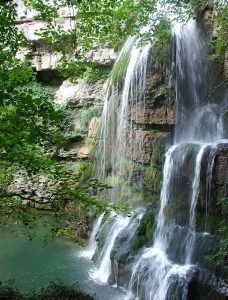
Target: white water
{"points": [[195, 194], [108, 121], [123, 98], [155, 275], [161, 233], [103, 272], [198, 127], [91, 248]]}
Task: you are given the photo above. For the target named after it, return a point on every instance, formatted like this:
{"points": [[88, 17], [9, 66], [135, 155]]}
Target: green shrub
{"points": [[93, 74], [84, 117], [42, 91], [76, 135], [88, 114]]}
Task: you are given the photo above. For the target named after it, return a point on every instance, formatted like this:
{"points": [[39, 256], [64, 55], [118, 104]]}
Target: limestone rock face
{"points": [[35, 191], [80, 93], [78, 150], [156, 109], [156, 89], [23, 13], [104, 56], [94, 127], [40, 55], [138, 145], [158, 116]]}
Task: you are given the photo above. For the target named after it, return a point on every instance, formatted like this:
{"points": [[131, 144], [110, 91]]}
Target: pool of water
{"points": [[33, 265]]}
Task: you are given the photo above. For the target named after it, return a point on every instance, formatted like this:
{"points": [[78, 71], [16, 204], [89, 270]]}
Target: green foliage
{"points": [[145, 231], [158, 153], [39, 90], [95, 73], [153, 177], [83, 116], [161, 33], [87, 115], [31, 133], [55, 291], [220, 43], [76, 135]]}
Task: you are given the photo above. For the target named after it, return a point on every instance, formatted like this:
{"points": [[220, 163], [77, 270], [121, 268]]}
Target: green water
{"points": [[33, 265]]}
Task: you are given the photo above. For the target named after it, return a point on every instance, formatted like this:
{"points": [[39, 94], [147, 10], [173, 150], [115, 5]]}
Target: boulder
{"points": [[85, 151]]}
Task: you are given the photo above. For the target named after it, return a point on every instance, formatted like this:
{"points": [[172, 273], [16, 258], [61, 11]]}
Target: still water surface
{"points": [[32, 265]]}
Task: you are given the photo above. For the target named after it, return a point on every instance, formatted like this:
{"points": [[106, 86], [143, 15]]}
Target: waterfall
{"points": [[161, 233], [104, 270], [195, 193], [124, 96], [199, 127], [108, 120], [91, 248], [163, 269]]}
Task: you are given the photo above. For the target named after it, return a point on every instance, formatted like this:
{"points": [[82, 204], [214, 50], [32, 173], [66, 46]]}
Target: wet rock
{"points": [[138, 145], [203, 285], [156, 90], [145, 231], [161, 115], [105, 228], [220, 173]]}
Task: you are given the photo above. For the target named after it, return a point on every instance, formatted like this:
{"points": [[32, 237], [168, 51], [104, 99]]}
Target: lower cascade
{"points": [[161, 251]]}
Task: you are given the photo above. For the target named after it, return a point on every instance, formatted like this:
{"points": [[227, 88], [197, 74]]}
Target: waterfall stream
{"points": [[104, 269], [161, 271], [91, 248]]}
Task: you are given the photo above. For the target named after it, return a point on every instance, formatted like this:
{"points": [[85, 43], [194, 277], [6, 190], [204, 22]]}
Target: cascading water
{"points": [[199, 127], [165, 269], [91, 248], [195, 193], [104, 270], [122, 99], [122, 96]]}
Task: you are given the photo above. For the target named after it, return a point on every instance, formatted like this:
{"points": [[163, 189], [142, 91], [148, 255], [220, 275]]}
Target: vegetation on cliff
{"points": [[106, 23], [31, 126]]}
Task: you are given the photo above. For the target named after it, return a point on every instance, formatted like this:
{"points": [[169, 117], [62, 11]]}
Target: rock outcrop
{"points": [[41, 55], [81, 94], [221, 166]]}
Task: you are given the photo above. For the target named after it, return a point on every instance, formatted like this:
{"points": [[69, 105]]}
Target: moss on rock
{"points": [[144, 234]]}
